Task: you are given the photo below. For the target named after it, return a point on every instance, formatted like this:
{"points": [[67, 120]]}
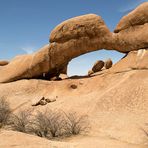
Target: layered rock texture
{"points": [[75, 37]]}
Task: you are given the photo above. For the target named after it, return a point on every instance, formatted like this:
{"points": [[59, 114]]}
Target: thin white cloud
{"points": [[131, 5], [28, 50]]}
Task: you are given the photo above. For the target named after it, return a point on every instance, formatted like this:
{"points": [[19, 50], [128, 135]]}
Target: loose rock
{"points": [[98, 66], [108, 63]]}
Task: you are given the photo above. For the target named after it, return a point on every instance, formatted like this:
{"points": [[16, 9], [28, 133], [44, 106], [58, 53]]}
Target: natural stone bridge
{"points": [[78, 36]]}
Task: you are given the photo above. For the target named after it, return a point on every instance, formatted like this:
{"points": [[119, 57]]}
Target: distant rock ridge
{"points": [[78, 36]]}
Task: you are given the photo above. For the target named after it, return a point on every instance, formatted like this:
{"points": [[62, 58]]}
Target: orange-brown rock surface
{"points": [[132, 30], [139, 16], [75, 37]]}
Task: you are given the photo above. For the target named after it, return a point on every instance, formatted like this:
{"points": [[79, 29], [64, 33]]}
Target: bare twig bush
{"points": [[76, 124], [54, 124], [5, 112], [21, 121], [50, 123]]}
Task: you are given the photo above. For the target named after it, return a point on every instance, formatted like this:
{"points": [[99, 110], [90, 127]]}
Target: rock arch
{"points": [[78, 36]]}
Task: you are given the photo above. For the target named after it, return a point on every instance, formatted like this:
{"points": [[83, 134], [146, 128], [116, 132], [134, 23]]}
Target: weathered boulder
{"points": [[131, 32], [98, 66], [78, 36], [90, 26], [108, 63], [3, 63], [132, 38], [139, 16]]}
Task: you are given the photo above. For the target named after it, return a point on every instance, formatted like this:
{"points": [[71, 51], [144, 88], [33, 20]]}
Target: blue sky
{"points": [[25, 25]]}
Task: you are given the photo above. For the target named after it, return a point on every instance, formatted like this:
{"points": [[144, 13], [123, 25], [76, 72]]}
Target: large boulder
{"points": [[78, 36], [139, 16], [131, 32], [98, 66], [85, 26]]}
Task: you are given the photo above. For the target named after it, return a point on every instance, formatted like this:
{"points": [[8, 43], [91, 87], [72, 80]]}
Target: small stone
{"points": [[108, 63]]}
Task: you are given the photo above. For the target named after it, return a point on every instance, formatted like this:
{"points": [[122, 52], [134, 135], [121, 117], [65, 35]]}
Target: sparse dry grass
{"points": [[5, 112]]}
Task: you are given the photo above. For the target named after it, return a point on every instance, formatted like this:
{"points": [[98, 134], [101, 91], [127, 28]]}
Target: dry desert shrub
{"points": [[5, 112], [56, 123], [76, 124], [21, 121], [50, 124]]}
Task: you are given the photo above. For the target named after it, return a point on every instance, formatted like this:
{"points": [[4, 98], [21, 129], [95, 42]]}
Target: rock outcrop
{"points": [[78, 36], [43, 101], [3, 63], [131, 33], [139, 16], [26, 66], [115, 101]]}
